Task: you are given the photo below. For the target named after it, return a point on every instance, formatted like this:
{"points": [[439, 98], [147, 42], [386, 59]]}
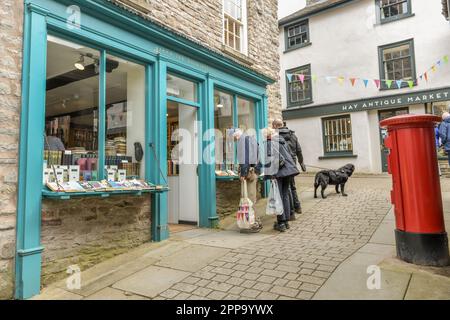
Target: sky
{"points": [[286, 7]]}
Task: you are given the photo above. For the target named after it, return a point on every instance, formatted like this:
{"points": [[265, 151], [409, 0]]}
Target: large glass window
{"points": [[125, 117], [299, 91], [397, 63], [246, 114], [71, 114], [337, 135]]}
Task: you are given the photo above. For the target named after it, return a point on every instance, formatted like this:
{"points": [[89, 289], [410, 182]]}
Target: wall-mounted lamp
{"points": [[80, 63]]}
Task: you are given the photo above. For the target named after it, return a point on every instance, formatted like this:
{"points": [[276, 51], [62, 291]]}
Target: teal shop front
{"points": [[118, 43]]}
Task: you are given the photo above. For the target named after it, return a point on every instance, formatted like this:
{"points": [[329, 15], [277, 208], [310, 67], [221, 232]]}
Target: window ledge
{"points": [[338, 156], [389, 20], [299, 105], [237, 55], [298, 47]]}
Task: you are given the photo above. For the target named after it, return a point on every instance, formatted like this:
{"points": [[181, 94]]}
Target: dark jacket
{"points": [[444, 133], [247, 152], [293, 144], [278, 162]]}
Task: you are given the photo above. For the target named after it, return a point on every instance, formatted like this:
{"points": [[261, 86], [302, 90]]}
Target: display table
{"points": [[46, 193]]}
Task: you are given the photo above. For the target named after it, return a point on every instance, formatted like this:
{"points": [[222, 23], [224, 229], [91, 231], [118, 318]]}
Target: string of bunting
{"points": [[366, 81]]}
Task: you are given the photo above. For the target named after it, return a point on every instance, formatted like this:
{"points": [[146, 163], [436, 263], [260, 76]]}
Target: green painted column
{"points": [[207, 177], [32, 126], [158, 142]]}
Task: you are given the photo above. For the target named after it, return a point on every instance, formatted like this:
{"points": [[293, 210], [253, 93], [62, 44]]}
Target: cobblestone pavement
{"points": [[295, 264]]}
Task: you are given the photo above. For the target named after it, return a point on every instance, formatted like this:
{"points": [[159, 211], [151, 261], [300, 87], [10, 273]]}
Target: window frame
{"points": [[286, 35], [382, 20], [336, 153], [383, 75], [243, 28], [291, 104]]}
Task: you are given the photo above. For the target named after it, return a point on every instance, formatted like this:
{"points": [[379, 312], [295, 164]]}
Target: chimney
{"points": [[313, 2]]}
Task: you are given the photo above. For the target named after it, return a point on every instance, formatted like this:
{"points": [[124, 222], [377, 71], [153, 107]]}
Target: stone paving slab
{"points": [[114, 294], [192, 258], [151, 281], [424, 287], [227, 239]]}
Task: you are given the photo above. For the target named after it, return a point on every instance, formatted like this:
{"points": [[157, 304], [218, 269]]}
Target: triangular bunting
{"points": [[399, 83], [341, 80], [425, 76], [314, 78], [289, 76], [353, 80], [433, 68], [377, 83], [411, 84], [329, 79], [388, 83], [438, 63], [445, 59], [301, 78], [366, 82]]}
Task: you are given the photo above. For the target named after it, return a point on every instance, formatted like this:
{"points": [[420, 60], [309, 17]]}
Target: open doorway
{"points": [[182, 155]]}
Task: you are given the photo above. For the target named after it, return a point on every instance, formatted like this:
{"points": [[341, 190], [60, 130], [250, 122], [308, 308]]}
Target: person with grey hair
{"points": [[296, 152], [248, 159], [444, 133]]}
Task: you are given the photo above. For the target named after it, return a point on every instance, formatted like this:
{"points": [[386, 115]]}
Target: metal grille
{"points": [[338, 135]]}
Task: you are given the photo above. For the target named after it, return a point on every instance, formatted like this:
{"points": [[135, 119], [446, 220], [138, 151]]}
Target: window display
{"points": [[72, 121]]}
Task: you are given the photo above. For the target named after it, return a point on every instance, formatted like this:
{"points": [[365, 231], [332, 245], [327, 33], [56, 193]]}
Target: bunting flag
{"points": [[389, 83], [289, 76], [301, 77], [377, 83], [353, 80]]}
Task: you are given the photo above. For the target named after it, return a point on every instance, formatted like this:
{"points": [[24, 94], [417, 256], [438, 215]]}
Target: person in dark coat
{"points": [[444, 133], [278, 164], [296, 153]]}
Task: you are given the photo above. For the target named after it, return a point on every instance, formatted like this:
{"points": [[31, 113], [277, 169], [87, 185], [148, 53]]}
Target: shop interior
{"points": [[71, 137]]}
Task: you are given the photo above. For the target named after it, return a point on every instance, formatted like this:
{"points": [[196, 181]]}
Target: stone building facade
{"points": [[88, 231]]}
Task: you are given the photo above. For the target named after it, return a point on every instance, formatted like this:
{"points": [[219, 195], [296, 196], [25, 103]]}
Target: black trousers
{"points": [[284, 186], [295, 203]]}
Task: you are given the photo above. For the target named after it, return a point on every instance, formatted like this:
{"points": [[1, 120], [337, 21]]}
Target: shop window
{"points": [[397, 63], [181, 88], [337, 135], [71, 114], [235, 24], [224, 125], [297, 35], [299, 92], [125, 117], [391, 10], [246, 114]]}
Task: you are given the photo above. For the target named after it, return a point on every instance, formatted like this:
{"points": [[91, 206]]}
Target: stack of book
{"points": [[102, 186]]}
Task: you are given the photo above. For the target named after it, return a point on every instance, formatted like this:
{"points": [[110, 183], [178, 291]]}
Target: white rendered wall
{"points": [[345, 43]]}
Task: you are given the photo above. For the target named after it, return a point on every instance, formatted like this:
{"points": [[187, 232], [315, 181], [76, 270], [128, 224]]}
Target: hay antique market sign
{"points": [[411, 98]]}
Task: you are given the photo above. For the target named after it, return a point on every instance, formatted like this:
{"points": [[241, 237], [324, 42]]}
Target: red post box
{"points": [[416, 195]]}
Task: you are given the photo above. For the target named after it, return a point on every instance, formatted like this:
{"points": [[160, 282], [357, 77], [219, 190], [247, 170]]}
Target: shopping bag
{"points": [[245, 215], [274, 202]]}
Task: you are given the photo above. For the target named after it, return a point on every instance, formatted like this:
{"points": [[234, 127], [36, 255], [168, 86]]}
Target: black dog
{"points": [[334, 177]]}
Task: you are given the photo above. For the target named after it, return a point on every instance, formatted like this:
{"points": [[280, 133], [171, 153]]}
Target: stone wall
{"points": [[228, 195], [11, 19], [87, 231], [202, 21]]}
